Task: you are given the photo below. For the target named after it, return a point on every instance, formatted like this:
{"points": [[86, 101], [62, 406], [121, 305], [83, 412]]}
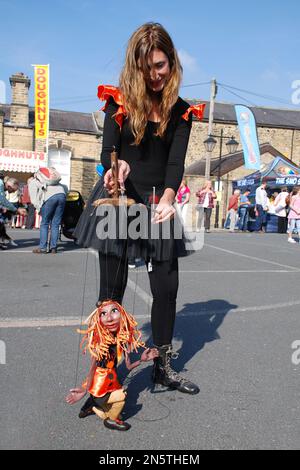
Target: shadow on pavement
{"points": [[24, 243], [196, 325]]}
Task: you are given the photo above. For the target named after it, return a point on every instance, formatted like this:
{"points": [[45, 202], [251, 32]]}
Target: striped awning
{"points": [[21, 161]]}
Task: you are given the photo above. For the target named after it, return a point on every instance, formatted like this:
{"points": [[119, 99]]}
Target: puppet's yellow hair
{"points": [[97, 339]]}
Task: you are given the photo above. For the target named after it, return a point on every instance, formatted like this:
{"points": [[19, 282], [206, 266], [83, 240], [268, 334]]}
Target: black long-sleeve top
{"points": [[155, 161]]}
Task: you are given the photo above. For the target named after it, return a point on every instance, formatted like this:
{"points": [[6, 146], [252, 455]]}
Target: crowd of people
{"points": [[247, 211], [285, 205], [42, 196]]}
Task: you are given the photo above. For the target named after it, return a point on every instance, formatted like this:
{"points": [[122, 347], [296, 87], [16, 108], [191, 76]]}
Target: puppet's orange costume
{"points": [[107, 397]]}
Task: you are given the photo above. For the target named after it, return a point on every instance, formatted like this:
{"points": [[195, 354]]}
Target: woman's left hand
{"points": [[164, 211]]}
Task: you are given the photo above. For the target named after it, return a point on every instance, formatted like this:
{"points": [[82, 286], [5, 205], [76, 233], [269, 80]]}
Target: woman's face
{"points": [[159, 70], [110, 317]]}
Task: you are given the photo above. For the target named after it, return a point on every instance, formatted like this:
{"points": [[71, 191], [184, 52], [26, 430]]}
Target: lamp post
{"points": [[210, 144]]}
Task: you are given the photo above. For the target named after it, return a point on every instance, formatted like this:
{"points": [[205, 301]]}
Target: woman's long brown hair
{"points": [[133, 87]]}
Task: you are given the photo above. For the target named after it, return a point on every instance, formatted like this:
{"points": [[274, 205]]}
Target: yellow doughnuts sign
{"points": [[41, 82]]}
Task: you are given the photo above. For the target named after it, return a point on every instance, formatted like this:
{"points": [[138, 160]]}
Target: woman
{"points": [[183, 199], [280, 206], [206, 197], [14, 198], [294, 215], [149, 125], [233, 207]]}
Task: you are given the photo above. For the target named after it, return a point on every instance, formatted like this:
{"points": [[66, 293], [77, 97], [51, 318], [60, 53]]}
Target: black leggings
{"points": [[164, 286]]}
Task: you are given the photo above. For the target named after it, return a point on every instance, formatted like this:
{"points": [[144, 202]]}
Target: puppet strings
{"points": [[82, 311]]}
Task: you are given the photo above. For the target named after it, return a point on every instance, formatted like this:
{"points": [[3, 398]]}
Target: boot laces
{"points": [[172, 373]]}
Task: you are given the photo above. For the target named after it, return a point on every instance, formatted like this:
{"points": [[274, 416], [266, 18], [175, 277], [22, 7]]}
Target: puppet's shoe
{"points": [[163, 373], [117, 424], [85, 413]]}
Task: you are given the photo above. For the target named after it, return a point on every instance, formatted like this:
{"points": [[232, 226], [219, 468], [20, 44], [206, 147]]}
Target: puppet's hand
{"points": [[149, 354], [75, 395]]}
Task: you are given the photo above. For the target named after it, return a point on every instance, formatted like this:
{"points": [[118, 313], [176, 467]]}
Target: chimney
{"points": [[19, 109]]}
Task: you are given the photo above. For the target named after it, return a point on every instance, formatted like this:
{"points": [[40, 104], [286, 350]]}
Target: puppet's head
{"points": [[110, 324]]}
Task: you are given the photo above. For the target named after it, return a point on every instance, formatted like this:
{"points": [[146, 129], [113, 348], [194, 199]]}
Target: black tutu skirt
{"points": [[114, 230]]}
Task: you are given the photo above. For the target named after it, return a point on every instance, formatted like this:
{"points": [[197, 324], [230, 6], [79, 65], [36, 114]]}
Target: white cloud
{"points": [[270, 75], [188, 62]]}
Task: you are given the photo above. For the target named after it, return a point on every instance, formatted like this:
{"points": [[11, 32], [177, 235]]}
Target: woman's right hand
{"points": [[124, 170]]}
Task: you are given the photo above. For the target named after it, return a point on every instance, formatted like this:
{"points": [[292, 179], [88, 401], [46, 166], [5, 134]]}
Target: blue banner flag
{"points": [[248, 133]]}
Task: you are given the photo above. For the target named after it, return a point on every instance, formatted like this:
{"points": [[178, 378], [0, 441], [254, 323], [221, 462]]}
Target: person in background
{"points": [[54, 201], [294, 216], [183, 198], [244, 210], [26, 201], [206, 197], [280, 205], [233, 206], [271, 206], [9, 185], [14, 198], [261, 202]]}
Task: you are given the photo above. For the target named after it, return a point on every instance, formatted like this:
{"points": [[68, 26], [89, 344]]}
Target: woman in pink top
{"points": [[206, 197], [294, 216], [183, 198]]}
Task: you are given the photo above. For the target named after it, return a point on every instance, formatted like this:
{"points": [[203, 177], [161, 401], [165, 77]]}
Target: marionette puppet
{"points": [[111, 333]]}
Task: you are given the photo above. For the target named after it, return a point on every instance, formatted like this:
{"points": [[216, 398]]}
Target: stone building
{"points": [[278, 134], [75, 140]]}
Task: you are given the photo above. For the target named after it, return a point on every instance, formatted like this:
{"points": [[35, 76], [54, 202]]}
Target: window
{"points": [[61, 160]]}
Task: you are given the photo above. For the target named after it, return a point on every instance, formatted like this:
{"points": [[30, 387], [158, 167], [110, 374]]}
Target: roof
{"points": [[280, 172], [279, 167], [223, 113], [62, 120], [229, 162], [266, 117]]}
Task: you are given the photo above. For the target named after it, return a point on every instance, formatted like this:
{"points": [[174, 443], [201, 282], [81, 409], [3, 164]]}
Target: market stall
{"points": [[278, 174]]}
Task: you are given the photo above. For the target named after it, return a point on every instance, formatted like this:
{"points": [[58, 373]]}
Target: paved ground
{"points": [[238, 315]]}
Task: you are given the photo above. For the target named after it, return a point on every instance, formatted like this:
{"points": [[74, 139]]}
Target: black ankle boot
{"points": [[163, 373]]}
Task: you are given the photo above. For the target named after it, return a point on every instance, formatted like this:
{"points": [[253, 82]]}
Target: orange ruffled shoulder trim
{"points": [[107, 91], [197, 110]]}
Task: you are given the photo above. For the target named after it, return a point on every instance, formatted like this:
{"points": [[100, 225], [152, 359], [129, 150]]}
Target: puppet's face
{"points": [[110, 317]]}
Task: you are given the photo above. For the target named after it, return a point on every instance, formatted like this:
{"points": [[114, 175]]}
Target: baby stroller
{"points": [[73, 210]]}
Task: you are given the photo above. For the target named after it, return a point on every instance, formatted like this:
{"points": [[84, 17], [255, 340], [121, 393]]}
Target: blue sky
{"points": [[252, 45]]}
